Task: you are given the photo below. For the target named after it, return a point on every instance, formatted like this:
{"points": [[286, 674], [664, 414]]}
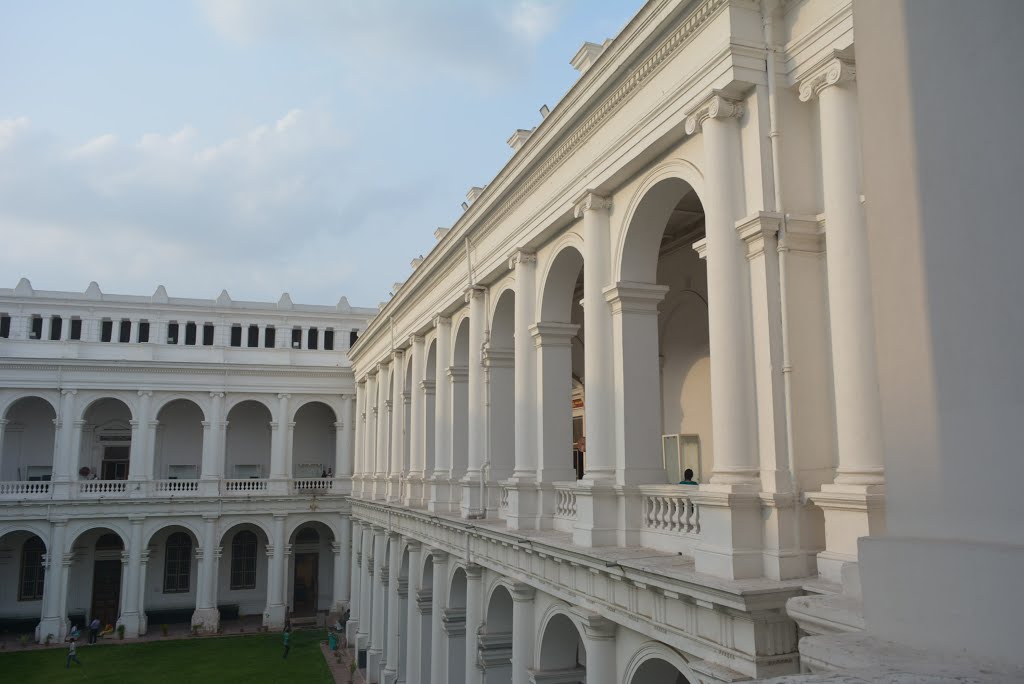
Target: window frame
{"points": [[177, 564], [243, 561], [32, 576]]}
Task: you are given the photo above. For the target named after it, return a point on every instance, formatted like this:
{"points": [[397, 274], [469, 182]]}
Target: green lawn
{"points": [[255, 658]]}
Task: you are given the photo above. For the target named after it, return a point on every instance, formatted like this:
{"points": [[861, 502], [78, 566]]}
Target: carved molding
{"points": [[833, 71], [716, 106], [591, 202]]}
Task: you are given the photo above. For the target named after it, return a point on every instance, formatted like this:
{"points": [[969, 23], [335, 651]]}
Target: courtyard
{"points": [[251, 658]]}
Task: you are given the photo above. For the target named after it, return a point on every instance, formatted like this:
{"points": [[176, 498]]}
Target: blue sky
{"points": [[262, 146]]}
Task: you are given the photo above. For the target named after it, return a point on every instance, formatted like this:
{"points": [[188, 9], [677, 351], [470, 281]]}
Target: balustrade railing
{"points": [[503, 496], [175, 486], [33, 488], [668, 508], [102, 487], [310, 485], [565, 503], [243, 487]]}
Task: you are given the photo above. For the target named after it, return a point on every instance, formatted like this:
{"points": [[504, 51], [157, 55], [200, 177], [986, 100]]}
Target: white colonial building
{"points": [[165, 457], [772, 243]]}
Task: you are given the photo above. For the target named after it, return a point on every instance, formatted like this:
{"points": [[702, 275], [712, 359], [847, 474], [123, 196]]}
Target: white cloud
{"points": [[279, 206], [475, 40]]}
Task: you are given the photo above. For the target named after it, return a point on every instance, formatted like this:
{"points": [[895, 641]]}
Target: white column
{"points": [[476, 428], [375, 654], [525, 265], [140, 460], [414, 656], [417, 424], [342, 565], [54, 585], [276, 611], [130, 590], [370, 436], [214, 431], [355, 578], [63, 460], [343, 446], [439, 639], [599, 637], [74, 456], [394, 621], [366, 589], [359, 419], [523, 633], [730, 515], [853, 505], [474, 620], [396, 465], [439, 492], [380, 468], [206, 617], [279, 448]]}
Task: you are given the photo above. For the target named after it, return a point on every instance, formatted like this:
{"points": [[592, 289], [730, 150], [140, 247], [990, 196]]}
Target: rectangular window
{"points": [[246, 471], [30, 588], [236, 336], [143, 331], [329, 339], [177, 563], [106, 330], [243, 561], [182, 472], [208, 334], [314, 339], [124, 333], [172, 333], [254, 336], [38, 473], [36, 331], [352, 337], [296, 338], [56, 327], [76, 328], [680, 453], [190, 334], [270, 337], [5, 326]]}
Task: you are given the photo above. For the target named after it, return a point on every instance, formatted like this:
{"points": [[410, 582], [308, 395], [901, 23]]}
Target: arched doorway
{"points": [[314, 441], [499, 365], [455, 627], [106, 441], [179, 441], [94, 584], [658, 671], [495, 642], [312, 567], [27, 441], [560, 370], [562, 650], [24, 575], [247, 456], [172, 575], [242, 571], [430, 408], [665, 340]]}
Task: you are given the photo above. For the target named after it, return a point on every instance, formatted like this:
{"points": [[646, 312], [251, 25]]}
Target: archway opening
{"points": [[495, 641], [28, 440], [666, 351], [499, 365], [247, 456], [24, 575], [458, 375], [242, 572], [455, 626], [171, 581], [314, 441], [106, 441], [424, 600], [430, 408], [658, 671], [312, 566], [562, 650], [179, 441], [94, 579]]}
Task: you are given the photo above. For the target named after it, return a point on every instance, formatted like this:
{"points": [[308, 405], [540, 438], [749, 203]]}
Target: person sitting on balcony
{"points": [[688, 477]]}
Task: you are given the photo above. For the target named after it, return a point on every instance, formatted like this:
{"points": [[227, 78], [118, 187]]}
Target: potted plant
{"points": [[49, 639], [23, 640], [120, 632], [163, 629]]}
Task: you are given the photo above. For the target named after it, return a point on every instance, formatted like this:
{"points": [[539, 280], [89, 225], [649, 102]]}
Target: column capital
{"points": [[547, 334], [474, 571], [428, 386], [284, 395], [521, 258], [339, 425], [522, 593], [590, 201], [415, 339], [145, 393], [634, 297], [834, 70], [414, 546], [69, 392], [394, 536], [438, 556], [594, 625], [377, 529], [715, 106], [458, 373], [441, 320], [474, 292], [217, 395]]}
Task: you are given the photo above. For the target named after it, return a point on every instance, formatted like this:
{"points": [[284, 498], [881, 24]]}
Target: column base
{"points": [[851, 512], [474, 500], [393, 489], [440, 496], [523, 504], [274, 617], [209, 488], [596, 507], [206, 620], [389, 676], [413, 491], [277, 487], [782, 559], [373, 661], [57, 626], [730, 532], [131, 624], [351, 631]]}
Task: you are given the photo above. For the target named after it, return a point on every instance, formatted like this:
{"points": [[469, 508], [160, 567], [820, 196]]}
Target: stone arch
{"points": [[248, 441], [28, 441], [656, 663], [310, 567], [179, 439], [314, 438], [499, 360], [226, 526], [454, 615], [460, 341], [305, 400], [632, 256], [233, 400], [559, 275], [495, 641], [198, 400], [91, 399], [83, 527], [152, 527], [107, 442], [560, 644], [430, 406], [29, 528], [9, 401], [295, 522]]}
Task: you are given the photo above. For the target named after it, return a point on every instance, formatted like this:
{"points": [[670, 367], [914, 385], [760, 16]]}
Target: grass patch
{"points": [[249, 659]]}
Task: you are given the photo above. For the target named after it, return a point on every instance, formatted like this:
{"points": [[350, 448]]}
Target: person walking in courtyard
{"points": [[72, 654], [94, 630], [287, 638]]}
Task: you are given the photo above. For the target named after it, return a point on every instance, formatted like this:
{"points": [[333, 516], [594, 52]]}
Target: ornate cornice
{"points": [[716, 106], [833, 71]]}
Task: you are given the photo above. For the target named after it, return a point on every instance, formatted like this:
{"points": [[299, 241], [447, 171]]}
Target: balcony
{"points": [[170, 489]]}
